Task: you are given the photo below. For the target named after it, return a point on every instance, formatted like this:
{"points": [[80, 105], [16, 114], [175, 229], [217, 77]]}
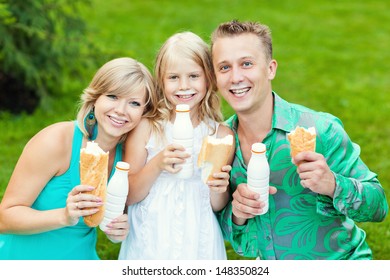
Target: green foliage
{"points": [[331, 55], [38, 40]]}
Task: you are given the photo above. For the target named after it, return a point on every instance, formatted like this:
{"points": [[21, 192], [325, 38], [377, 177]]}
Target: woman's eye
{"points": [[172, 77], [111, 96], [135, 103]]}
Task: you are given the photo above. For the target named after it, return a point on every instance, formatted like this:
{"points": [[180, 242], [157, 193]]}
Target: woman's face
{"points": [[117, 115]]}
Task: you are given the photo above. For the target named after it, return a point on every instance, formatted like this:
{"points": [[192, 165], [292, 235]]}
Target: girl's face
{"points": [[117, 115], [185, 83]]}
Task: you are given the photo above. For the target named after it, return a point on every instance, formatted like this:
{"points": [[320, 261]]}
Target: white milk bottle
{"points": [[117, 190], [183, 134], [258, 173]]}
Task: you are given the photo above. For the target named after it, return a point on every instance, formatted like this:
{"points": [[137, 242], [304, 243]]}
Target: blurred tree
{"points": [[40, 42]]}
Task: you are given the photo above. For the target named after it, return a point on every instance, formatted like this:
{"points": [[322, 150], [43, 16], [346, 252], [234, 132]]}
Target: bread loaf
{"points": [[302, 139], [214, 154], [93, 172]]}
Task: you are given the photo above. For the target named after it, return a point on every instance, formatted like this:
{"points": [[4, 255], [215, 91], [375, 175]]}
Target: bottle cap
{"points": [[122, 165], [258, 148], [182, 108]]}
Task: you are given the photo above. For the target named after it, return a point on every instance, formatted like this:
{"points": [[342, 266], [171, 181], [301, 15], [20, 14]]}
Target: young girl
{"points": [[43, 205], [174, 218]]}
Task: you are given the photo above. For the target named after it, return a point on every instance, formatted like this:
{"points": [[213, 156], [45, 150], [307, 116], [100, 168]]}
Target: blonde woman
{"points": [[43, 205]]}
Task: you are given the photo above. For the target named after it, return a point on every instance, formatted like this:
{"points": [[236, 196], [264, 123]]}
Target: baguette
{"points": [[214, 154], [93, 172], [301, 140]]}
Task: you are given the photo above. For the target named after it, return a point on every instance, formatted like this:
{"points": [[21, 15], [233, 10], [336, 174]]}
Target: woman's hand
{"points": [[118, 229], [80, 204]]}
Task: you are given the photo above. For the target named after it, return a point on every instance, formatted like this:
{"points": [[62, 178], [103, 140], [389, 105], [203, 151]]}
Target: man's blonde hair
{"points": [[235, 28]]}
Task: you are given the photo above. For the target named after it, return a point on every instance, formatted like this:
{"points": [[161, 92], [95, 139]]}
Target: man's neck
{"points": [[254, 126]]}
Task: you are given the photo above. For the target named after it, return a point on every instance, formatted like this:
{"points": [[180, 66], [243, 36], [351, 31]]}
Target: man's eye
{"points": [[247, 63], [224, 68]]}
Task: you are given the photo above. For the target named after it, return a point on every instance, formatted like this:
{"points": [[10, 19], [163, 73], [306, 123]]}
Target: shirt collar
{"points": [[282, 115]]}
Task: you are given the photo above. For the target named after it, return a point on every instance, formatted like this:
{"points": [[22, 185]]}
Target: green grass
{"points": [[332, 55]]}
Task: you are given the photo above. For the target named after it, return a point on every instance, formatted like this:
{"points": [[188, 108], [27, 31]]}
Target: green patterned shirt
{"points": [[301, 224]]}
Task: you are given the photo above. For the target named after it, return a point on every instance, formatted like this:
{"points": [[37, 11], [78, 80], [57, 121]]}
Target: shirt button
{"points": [[268, 238]]}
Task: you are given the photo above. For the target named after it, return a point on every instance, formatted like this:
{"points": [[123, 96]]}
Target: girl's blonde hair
{"points": [[121, 77], [190, 46]]}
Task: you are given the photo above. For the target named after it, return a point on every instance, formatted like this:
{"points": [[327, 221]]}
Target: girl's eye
{"points": [[172, 77], [194, 76]]}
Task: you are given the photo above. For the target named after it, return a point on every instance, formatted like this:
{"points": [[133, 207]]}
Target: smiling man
{"points": [[316, 196]]}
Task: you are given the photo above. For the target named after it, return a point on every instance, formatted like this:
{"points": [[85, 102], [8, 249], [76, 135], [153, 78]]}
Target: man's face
{"points": [[243, 73]]}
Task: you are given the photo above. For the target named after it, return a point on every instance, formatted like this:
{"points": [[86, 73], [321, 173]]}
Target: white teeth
{"points": [[184, 96], [239, 91], [117, 121]]}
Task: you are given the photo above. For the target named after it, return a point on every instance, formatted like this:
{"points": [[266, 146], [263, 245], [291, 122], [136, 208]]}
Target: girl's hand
{"points": [[118, 229], [171, 158], [79, 204], [221, 182]]}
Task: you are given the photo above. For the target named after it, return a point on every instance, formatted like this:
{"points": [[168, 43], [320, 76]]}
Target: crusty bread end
{"points": [[302, 139], [93, 172], [214, 154]]}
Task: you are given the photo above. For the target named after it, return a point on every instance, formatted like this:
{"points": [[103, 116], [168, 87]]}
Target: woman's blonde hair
{"points": [[121, 77], [191, 46]]}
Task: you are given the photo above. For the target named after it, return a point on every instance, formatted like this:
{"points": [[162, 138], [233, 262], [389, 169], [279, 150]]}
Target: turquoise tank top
{"points": [[76, 242]]}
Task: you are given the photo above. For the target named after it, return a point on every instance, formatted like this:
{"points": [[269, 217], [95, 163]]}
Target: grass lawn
{"points": [[332, 56]]}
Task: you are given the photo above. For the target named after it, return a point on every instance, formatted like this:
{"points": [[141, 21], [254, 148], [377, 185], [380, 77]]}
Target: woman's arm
{"points": [[46, 155]]}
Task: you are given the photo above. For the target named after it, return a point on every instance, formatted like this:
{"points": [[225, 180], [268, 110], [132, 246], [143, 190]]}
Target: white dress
{"points": [[175, 220]]}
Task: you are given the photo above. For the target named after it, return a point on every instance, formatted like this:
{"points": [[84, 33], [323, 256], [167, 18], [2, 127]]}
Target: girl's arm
{"points": [[136, 155], [219, 193], [46, 155], [143, 174]]}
